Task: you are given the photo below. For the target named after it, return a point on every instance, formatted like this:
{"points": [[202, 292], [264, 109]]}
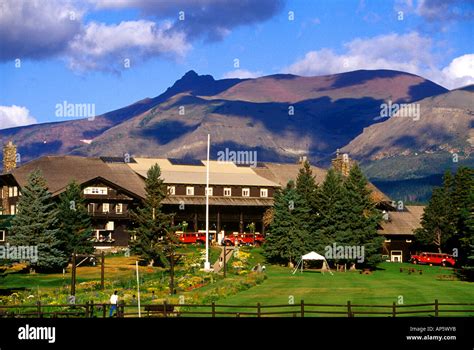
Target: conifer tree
{"points": [[361, 218], [35, 224], [75, 223], [288, 239], [152, 225]]}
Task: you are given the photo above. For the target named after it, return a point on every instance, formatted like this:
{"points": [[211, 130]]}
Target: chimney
{"points": [[9, 157], [342, 163]]}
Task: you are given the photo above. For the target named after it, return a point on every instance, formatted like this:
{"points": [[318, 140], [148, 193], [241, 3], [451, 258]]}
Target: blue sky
{"points": [[74, 50]]}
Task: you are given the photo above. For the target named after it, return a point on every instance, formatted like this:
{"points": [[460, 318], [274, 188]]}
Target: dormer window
{"points": [[95, 190], [245, 192], [263, 192], [227, 191], [190, 191], [208, 190], [171, 190]]}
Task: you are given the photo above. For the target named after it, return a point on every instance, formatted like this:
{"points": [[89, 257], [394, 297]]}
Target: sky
{"points": [[110, 54]]}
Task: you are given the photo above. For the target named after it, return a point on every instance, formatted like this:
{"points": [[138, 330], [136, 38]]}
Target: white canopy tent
{"points": [[313, 256]]}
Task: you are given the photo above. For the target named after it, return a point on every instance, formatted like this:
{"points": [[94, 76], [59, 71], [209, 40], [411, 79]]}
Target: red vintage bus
{"points": [[433, 259], [193, 237], [244, 239]]}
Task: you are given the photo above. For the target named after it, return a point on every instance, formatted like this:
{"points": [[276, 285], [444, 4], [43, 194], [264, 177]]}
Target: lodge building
{"points": [[238, 195]]}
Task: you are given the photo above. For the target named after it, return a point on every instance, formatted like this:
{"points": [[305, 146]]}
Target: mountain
{"points": [[280, 116], [419, 148]]}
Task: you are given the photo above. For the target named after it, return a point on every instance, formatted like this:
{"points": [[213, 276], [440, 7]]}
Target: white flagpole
{"points": [[138, 291], [207, 265]]}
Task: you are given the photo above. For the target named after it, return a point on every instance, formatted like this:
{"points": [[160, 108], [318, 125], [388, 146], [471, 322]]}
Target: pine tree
{"points": [[438, 229], [152, 225], [288, 239], [331, 226], [75, 225], [35, 224], [362, 218], [462, 204], [307, 188]]}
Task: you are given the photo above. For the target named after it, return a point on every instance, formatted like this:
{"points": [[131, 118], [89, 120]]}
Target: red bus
{"points": [[433, 259], [244, 239]]}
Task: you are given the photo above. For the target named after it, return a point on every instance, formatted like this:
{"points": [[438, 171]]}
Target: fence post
{"points": [[394, 309], [237, 314], [213, 306], [91, 310], [104, 310], [38, 304], [86, 311], [259, 312], [122, 309], [349, 309], [436, 310], [164, 309], [302, 308]]}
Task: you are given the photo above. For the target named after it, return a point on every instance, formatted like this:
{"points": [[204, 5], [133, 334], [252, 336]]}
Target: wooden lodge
{"points": [[238, 195]]}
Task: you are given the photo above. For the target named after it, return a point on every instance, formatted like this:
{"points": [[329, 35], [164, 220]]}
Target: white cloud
{"points": [[105, 47], [391, 51], [37, 29], [12, 116], [241, 74], [460, 72]]}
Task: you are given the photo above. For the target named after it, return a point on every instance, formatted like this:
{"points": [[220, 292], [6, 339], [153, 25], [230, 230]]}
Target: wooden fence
{"points": [[302, 309]]}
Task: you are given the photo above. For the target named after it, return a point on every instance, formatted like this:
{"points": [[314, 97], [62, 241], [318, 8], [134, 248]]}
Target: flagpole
{"points": [[138, 290], [207, 265]]}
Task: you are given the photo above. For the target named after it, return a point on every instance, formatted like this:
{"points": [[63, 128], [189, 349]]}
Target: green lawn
{"points": [[382, 287]]}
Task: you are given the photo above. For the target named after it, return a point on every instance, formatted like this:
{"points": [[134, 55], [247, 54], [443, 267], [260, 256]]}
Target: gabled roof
{"points": [[220, 173], [403, 222], [59, 171], [284, 172]]}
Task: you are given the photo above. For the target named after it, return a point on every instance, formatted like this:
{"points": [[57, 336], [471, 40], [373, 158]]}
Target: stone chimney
{"points": [[342, 163], [9, 157]]}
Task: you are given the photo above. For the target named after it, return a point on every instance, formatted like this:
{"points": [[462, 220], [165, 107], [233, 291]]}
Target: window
{"points": [[96, 190], [2, 235], [91, 207], [210, 191], [171, 190], [12, 209], [190, 191], [227, 191], [105, 207], [245, 192], [263, 192], [119, 208], [13, 191]]}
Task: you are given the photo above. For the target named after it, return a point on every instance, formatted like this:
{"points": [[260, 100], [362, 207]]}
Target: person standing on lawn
{"points": [[113, 303]]}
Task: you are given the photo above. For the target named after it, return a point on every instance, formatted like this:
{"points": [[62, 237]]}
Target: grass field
{"points": [[382, 287]]}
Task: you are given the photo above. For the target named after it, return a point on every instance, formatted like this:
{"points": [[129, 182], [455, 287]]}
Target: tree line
{"points": [[311, 217]]}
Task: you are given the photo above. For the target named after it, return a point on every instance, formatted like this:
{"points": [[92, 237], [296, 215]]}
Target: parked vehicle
{"points": [[433, 259], [193, 237], [244, 239]]}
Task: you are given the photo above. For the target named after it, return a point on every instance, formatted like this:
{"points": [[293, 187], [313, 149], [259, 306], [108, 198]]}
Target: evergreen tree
{"points": [[462, 204], [445, 221], [75, 224], [35, 224], [307, 189], [152, 225], [288, 239], [331, 226], [361, 218]]}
